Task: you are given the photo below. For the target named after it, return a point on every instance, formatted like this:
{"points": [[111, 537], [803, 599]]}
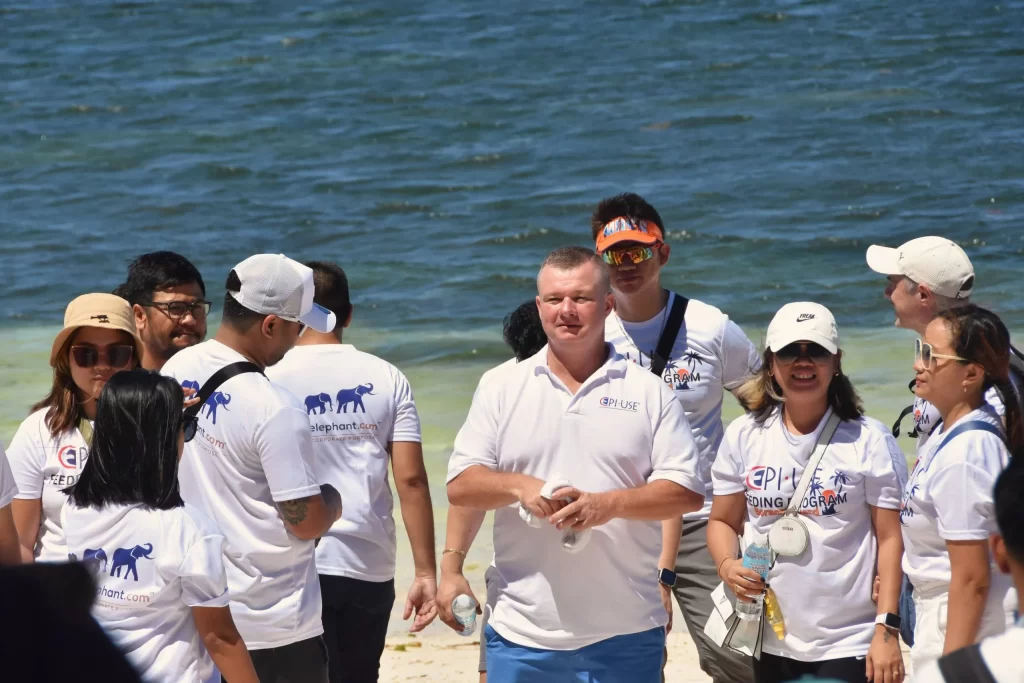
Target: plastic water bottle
{"points": [[758, 558], [464, 610]]}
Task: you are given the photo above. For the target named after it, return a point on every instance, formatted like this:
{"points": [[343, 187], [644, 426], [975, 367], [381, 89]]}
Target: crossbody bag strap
{"points": [[972, 426], [218, 378], [669, 334], [966, 664], [824, 439]]}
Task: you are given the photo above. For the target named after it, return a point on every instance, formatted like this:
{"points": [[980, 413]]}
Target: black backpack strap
{"points": [[216, 379], [669, 334], [966, 664], [913, 434]]}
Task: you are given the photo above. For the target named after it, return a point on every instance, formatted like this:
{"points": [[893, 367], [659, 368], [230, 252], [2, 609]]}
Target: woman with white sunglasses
{"points": [[947, 510]]}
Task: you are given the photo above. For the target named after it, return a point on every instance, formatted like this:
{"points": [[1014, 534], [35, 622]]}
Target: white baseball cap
{"points": [[803, 321], [273, 284], [937, 263]]}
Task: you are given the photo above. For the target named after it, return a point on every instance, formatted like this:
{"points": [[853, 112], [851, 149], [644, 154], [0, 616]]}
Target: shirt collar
{"points": [[614, 365]]}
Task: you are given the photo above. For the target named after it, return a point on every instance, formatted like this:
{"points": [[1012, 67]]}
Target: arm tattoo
{"points": [[293, 511]]}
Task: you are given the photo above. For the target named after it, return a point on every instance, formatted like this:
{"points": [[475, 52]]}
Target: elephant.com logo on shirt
{"points": [[319, 404], [326, 403], [218, 400], [124, 565]]}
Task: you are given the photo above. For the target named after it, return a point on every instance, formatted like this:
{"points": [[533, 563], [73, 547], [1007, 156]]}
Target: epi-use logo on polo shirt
{"points": [[619, 404]]}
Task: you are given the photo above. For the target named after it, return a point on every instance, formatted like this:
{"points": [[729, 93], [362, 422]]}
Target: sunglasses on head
{"points": [[814, 352], [190, 426], [635, 254], [115, 356], [924, 354]]}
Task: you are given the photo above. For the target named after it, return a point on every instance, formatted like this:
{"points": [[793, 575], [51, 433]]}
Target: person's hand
{"points": [[884, 663], [536, 504], [585, 511], [452, 585], [666, 600], [421, 599], [875, 588], [745, 583], [191, 397]]}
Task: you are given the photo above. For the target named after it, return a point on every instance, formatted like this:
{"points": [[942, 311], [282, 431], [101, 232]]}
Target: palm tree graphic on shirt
{"points": [[839, 480], [692, 358]]}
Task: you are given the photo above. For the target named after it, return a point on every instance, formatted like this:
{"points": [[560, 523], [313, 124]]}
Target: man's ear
{"points": [[348, 320], [664, 252], [140, 317], [999, 554], [270, 325]]}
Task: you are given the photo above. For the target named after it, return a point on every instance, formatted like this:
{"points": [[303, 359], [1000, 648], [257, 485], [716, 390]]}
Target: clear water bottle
{"points": [[464, 611], [758, 558]]}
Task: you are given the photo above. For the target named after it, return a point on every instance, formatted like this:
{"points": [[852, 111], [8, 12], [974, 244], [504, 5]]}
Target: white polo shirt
{"points": [[253, 450], [711, 354], [152, 567], [1002, 656], [43, 466], [949, 498], [623, 428], [8, 487], [825, 593], [357, 405]]}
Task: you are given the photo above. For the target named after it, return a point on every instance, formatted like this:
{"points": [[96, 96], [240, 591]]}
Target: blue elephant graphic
{"points": [[321, 402], [217, 398], [127, 557], [355, 397], [190, 384], [94, 558]]}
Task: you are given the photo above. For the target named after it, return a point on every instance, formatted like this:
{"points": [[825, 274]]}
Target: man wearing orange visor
{"points": [[700, 353]]}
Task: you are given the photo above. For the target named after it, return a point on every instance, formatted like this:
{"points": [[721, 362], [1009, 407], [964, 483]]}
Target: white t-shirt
{"points": [[252, 451], [710, 355], [43, 466], [949, 498], [926, 416], [8, 487], [622, 428], [151, 568], [1002, 655], [825, 593], [357, 404]]}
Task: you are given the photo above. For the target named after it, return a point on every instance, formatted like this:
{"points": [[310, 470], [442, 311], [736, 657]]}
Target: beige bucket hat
{"points": [[96, 310]]}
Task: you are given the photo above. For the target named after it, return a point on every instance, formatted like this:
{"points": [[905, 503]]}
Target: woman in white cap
{"points": [[947, 510], [51, 445], [827, 522]]}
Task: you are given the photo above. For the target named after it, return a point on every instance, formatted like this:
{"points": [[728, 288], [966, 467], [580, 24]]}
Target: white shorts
{"points": [[930, 629]]}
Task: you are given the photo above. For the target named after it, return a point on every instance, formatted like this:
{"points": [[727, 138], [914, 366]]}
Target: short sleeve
{"points": [[476, 442], [286, 452], [728, 472], [27, 458], [739, 356], [887, 473], [8, 489], [204, 581], [674, 455], [406, 425], [962, 493]]}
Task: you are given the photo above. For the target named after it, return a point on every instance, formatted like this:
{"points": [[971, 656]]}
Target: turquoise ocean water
{"points": [[439, 150]]}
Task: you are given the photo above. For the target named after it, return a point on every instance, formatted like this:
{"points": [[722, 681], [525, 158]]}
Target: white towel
{"points": [[572, 541]]}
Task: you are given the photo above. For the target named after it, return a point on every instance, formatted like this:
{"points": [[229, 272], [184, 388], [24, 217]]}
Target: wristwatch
{"points": [[889, 620], [666, 577]]}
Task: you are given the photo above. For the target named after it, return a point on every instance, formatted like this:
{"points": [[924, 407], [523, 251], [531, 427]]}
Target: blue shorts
{"points": [[634, 658]]}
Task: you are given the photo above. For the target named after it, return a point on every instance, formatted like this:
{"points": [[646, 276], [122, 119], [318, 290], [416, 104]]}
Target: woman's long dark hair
{"points": [[134, 454], [981, 337], [760, 394]]}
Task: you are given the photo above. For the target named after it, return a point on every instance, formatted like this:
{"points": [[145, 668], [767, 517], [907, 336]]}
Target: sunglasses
{"points": [[637, 254], [115, 356], [176, 310], [190, 426], [923, 353], [788, 354]]}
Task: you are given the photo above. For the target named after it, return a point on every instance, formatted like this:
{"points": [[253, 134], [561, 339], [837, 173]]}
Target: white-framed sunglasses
{"points": [[923, 353]]}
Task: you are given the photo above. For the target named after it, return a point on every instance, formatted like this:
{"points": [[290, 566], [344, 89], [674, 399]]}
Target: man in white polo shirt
{"points": [[362, 416], [251, 467], [699, 353], [577, 581]]}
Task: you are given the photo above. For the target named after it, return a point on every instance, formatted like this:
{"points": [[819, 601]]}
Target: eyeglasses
{"points": [[637, 254], [190, 426], [115, 356], [923, 353], [788, 354], [176, 310]]}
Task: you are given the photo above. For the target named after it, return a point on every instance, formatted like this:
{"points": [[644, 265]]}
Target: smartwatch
{"points": [[666, 577], [889, 620]]}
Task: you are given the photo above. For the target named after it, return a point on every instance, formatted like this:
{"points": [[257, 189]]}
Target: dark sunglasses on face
{"points": [[176, 310], [190, 426], [115, 356], [814, 352]]}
